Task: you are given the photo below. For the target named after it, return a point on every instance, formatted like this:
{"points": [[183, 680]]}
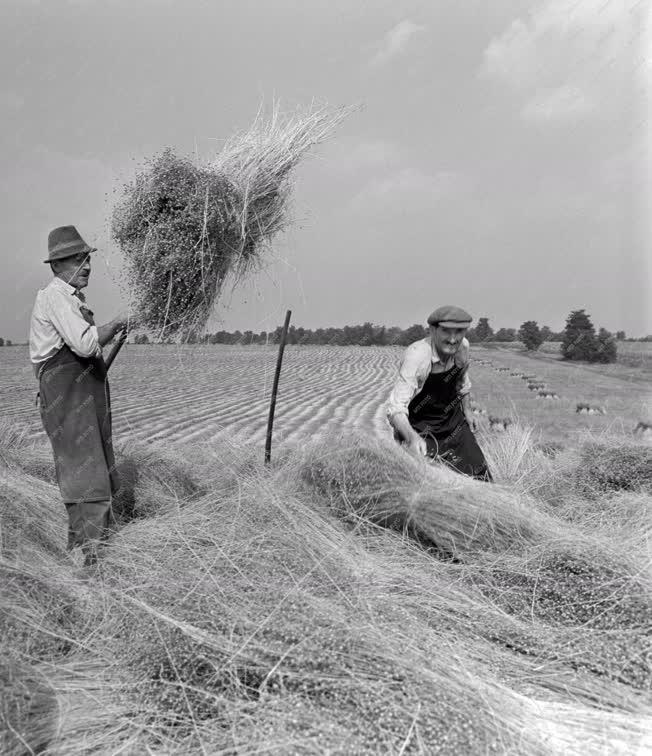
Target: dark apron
{"points": [[75, 408], [436, 413]]}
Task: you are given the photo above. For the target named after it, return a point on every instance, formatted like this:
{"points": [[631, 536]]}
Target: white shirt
{"points": [[57, 320], [416, 367]]}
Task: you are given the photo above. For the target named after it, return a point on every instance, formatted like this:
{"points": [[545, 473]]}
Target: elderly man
{"points": [[66, 353], [429, 405]]}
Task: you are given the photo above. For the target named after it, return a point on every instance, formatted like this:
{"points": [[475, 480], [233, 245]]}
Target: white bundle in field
{"points": [[185, 228]]}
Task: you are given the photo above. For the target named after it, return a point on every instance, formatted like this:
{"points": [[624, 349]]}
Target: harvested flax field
{"points": [[197, 393], [348, 598]]}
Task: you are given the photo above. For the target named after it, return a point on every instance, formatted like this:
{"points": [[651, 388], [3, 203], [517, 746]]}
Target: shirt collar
{"points": [[60, 283]]}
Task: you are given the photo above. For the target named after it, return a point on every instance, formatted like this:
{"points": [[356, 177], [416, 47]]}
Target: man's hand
{"points": [[410, 437], [106, 332], [123, 320], [470, 419], [418, 445]]}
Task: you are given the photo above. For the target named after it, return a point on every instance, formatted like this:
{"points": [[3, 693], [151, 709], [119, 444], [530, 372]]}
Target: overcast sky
{"points": [[500, 160]]}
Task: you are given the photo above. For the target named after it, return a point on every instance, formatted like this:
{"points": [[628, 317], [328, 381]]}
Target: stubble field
{"points": [[202, 393]]}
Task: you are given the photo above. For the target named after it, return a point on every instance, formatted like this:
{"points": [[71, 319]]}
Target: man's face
{"points": [[447, 340], [75, 270]]}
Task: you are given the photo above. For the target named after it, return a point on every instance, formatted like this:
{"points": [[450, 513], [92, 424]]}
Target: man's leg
{"points": [[74, 526], [473, 461], [461, 451], [88, 526]]}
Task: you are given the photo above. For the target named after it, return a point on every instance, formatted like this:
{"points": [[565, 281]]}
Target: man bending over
{"points": [[429, 404]]}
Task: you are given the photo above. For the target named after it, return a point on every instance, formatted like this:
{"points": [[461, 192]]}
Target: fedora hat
{"points": [[65, 241]]}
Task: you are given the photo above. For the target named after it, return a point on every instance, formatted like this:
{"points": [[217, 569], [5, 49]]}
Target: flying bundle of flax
{"points": [[184, 228]]}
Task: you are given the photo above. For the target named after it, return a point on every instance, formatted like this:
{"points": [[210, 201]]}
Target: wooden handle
{"points": [[116, 348]]}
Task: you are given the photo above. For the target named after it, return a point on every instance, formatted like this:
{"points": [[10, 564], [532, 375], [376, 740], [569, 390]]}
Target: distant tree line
{"points": [[366, 334], [579, 340], [484, 332]]}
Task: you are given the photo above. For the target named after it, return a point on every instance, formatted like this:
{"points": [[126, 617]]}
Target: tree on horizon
{"points": [[580, 341], [531, 336]]}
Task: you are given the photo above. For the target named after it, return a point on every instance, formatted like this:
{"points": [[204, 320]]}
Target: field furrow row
{"points": [[169, 393]]}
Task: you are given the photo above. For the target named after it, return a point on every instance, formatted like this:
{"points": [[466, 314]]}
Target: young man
{"points": [[429, 405], [66, 353]]}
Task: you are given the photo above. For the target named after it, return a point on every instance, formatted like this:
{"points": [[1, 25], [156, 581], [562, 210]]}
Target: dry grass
{"points": [[29, 702], [604, 468], [185, 228], [249, 609], [378, 482]]}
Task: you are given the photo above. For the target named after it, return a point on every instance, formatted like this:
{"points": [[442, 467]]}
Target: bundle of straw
{"points": [[611, 467], [379, 482], [185, 228]]}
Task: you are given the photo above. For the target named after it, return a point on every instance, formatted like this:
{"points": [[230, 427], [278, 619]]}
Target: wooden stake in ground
{"points": [[272, 404], [116, 348]]}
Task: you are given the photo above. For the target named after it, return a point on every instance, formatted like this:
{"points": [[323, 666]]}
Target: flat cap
{"points": [[450, 316]]}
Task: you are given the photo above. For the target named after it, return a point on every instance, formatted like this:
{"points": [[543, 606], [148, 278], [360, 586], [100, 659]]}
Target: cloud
{"points": [[373, 153], [363, 158], [564, 59], [396, 42], [408, 190], [561, 104], [511, 57]]}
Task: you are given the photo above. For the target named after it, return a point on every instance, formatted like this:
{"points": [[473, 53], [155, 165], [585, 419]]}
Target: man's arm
{"points": [[466, 406], [84, 339], [80, 336], [465, 397], [405, 388]]}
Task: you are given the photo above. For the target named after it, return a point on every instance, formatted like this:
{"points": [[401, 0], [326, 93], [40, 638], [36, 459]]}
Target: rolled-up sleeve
{"points": [[65, 316], [465, 385], [463, 359], [407, 382]]}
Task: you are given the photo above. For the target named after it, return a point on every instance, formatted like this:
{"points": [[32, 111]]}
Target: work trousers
{"points": [[89, 525]]}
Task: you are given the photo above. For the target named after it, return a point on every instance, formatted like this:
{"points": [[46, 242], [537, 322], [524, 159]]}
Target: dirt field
{"points": [[201, 392]]}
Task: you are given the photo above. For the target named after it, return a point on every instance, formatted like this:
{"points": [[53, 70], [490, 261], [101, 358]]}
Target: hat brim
{"points": [[65, 253], [453, 323]]}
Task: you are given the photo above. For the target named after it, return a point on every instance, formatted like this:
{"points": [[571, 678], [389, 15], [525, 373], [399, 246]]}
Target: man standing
{"points": [[429, 405], [66, 353]]}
